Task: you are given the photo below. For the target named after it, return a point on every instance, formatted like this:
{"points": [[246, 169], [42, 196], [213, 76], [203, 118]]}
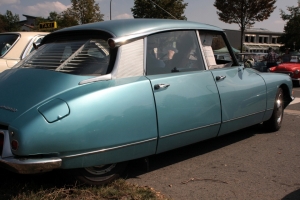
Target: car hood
{"points": [[288, 67], [23, 89]]}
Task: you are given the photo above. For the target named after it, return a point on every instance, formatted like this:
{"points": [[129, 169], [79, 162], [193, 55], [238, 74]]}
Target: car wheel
{"points": [[274, 123], [101, 174]]}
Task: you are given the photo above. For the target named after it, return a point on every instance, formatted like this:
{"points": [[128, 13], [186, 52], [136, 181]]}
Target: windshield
{"points": [[79, 57], [6, 41]]}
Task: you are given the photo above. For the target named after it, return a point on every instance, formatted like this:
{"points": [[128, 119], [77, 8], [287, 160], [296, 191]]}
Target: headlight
{"points": [[297, 71]]}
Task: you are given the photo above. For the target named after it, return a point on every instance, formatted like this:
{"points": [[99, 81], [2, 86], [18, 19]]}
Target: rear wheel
{"points": [[274, 123], [101, 174]]}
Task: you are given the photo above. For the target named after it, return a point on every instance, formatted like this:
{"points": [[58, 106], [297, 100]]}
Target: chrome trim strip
{"points": [[246, 116], [144, 33], [95, 79], [193, 129], [108, 149], [145, 56]]}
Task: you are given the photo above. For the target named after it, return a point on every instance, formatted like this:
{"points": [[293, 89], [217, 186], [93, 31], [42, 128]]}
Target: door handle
{"points": [[161, 86], [218, 78]]}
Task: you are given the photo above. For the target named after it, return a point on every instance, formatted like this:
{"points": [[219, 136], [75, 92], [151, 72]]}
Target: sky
{"points": [[197, 10]]}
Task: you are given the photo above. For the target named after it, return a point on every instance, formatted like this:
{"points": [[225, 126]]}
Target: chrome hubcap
{"points": [[100, 169], [279, 108]]}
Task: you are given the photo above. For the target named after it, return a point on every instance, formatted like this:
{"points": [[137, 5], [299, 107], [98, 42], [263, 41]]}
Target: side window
{"points": [[215, 50], [170, 52]]}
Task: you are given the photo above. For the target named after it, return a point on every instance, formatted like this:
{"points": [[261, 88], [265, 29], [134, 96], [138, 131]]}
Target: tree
{"points": [[161, 9], [290, 37], [2, 24], [244, 12], [9, 22], [66, 19], [85, 11]]}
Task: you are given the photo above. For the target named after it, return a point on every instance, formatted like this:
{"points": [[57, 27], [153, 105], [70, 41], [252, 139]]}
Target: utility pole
{"points": [[110, 10]]}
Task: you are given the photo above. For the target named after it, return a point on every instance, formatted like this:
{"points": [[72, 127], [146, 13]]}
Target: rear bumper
{"points": [[30, 166], [25, 165]]}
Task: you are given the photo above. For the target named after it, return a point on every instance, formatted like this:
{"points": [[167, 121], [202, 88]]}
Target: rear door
{"points": [[186, 96]]}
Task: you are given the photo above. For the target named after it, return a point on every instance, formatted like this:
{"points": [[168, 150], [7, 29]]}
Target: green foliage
{"points": [[9, 22], [244, 12], [85, 11], [291, 29], [160, 9]]}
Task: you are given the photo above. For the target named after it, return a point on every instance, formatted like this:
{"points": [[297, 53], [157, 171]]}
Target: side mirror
{"points": [[36, 45]]}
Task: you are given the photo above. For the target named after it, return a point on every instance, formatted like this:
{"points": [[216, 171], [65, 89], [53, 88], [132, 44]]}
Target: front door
{"points": [[243, 97]]}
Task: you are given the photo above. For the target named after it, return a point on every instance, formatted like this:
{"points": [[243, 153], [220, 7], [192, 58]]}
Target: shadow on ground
{"points": [[293, 196], [138, 167], [12, 184]]}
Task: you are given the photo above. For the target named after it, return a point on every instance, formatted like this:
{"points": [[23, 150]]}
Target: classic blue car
{"points": [[94, 96]]}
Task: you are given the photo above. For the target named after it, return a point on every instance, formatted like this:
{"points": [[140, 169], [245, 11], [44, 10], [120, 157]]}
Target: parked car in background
{"points": [[14, 46], [291, 68], [253, 60], [96, 96], [294, 59]]}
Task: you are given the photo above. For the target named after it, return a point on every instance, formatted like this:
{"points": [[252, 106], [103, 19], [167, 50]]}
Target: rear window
{"points": [[6, 41], [79, 57]]}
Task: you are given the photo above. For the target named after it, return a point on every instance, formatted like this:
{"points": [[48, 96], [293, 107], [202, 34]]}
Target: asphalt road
{"points": [[249, 164]]}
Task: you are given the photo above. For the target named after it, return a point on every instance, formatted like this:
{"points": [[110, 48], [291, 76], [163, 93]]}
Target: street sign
{"points": [[48, 25]]}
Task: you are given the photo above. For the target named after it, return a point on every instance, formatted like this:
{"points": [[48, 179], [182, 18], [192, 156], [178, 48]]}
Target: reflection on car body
{"points": [[92, 99]]}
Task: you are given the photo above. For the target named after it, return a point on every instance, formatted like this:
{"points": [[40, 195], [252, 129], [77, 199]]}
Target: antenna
{"points": [[165, 10]]}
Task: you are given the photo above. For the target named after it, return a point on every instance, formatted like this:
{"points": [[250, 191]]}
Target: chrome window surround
{"points": [[119, 41], [30, 45]]}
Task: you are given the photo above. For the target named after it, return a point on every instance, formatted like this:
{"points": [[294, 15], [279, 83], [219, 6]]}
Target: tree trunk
{"points": [[242, 37]]}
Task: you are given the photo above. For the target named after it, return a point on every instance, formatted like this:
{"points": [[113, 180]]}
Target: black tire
{"points": [[274, 123], [99, 175]]}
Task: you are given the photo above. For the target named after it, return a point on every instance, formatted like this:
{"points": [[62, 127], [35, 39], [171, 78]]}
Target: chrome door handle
{"points": [[160, 86], [218, 78]]}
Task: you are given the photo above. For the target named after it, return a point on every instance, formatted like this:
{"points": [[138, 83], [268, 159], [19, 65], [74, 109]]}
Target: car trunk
{"points": [[22, 89]]}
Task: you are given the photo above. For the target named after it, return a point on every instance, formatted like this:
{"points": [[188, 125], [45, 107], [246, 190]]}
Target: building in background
{"points": [[28, 24], [256, 40]]}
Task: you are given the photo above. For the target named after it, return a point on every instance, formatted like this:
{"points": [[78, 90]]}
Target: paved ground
{"points": [[248, 164]]}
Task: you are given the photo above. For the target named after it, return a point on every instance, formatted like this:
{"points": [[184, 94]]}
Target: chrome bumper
{"points": [[25, 165], [30, 166]]}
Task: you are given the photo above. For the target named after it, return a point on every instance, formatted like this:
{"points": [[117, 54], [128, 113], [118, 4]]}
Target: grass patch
{"points": [[55, 186], [120, 189]]}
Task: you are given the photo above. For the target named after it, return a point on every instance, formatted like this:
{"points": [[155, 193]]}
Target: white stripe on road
{"points": [[292, 112]]}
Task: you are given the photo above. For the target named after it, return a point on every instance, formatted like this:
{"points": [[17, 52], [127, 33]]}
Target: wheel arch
{"points": [[286, 94]]}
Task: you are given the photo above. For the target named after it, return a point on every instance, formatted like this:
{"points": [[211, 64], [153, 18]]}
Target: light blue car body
{"points": [[61, 123]]}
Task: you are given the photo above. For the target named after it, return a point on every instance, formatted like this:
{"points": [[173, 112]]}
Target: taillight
{"points": [[14, 145], [1, 142]]}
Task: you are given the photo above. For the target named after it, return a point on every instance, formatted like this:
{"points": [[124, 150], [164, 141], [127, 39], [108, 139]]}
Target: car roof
{"points": [[124, 27], [25, 33]]}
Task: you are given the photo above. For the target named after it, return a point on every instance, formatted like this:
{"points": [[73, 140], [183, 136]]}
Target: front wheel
{"points": [[101, 174], [274, 123]]}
